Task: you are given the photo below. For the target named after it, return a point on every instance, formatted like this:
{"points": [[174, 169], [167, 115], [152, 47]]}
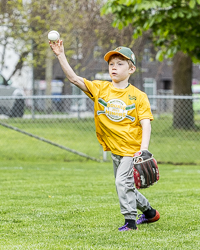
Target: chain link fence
{"points": [[62, 127]]}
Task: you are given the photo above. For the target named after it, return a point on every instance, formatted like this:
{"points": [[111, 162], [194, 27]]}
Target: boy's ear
{"points": [[132, 69]]}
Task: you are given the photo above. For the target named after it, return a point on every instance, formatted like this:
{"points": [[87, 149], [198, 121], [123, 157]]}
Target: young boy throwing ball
{"points": [[122, 119]]}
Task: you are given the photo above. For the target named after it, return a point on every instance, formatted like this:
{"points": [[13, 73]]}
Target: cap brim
{"points": [[110, 53]]}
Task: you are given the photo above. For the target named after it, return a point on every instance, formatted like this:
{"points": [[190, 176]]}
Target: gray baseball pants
{"points": [[129, 198]]}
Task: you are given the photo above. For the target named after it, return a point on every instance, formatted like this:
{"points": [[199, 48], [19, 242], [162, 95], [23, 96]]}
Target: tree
{"points": [[10, 23], [80, 24], [174, 27], [27, 23]]}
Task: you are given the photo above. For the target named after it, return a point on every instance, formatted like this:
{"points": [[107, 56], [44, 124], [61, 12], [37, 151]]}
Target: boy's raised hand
{"points": [[57, 47]]}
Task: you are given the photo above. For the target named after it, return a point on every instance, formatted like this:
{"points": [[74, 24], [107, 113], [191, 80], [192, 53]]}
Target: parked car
{"points": [[12, 107]]}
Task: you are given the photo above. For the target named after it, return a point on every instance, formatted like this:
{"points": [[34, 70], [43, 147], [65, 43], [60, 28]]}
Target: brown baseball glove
{"points": [[145, 169]]}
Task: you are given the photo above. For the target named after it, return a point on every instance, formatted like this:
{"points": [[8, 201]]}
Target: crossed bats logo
{"points": [[116, 110]]}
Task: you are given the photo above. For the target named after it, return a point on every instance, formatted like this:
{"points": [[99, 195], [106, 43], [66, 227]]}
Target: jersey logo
{"points": [[116, 110], [132, 97]]}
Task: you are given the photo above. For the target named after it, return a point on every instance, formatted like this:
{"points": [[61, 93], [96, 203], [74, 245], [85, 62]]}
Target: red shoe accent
{"points": [[155, 218]]}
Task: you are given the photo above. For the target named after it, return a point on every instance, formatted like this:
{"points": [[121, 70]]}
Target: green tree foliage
{"points": [[25, 25], [174, 29], [86, 34], [174, 24]]}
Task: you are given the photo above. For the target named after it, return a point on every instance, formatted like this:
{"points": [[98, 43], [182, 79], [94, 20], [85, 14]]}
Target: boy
{"points": [[122, 119]]}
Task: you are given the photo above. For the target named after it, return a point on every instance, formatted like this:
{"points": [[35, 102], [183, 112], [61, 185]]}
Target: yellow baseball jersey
{"points": [[117, 114]]}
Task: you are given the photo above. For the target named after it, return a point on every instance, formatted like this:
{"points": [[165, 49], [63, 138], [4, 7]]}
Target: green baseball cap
{"points": [[124, 51]]}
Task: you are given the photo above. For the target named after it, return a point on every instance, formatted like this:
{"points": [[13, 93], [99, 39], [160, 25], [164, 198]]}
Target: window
{"points": [[150, 89]]}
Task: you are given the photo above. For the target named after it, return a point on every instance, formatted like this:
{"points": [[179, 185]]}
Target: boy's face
{"points": [[119, 69]]}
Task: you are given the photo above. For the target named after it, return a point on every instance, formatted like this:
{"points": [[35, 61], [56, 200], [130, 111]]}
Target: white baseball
{"points": [[53, 36]]}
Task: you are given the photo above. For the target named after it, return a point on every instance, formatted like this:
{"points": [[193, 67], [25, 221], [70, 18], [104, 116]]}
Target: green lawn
{"points": [[174, 145], [76, 135], [167, 144], [73, 205]]}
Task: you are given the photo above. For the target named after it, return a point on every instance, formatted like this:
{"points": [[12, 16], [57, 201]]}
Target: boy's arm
{"points": [[146, 133], [58, 50]]}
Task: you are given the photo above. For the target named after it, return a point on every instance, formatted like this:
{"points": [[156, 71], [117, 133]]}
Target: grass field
{"points": [[73, 205], [77, 135], [167, 144]]}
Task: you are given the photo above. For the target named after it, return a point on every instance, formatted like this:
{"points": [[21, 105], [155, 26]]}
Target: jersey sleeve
{"points": [[93, 87], [144, 109]]}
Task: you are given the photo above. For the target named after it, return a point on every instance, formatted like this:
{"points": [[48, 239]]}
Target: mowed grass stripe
{"points": [[74, 205]]}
